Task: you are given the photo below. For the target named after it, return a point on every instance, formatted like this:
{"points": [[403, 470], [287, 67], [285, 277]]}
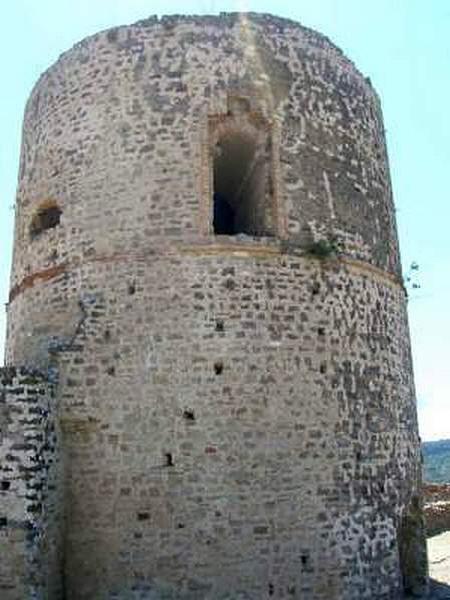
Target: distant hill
{"points": [[436, 461]]}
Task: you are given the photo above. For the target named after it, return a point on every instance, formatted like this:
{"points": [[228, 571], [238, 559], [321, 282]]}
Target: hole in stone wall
{"points": [[3, 521], [132, 288], [188, 414], [169, 459], [5, 485], [241, 194], [315, 288], [218, 368], [320, 331], [46, 217], [111, 371], [229, 284], [271, 589], [304, 559], [143, 516], [220, 326]]}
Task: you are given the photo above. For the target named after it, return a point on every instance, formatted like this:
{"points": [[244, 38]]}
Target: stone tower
{"points": [[215, 398]]}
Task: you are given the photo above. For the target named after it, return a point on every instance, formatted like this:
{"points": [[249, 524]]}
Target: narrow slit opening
{"points": [[218, 368]]}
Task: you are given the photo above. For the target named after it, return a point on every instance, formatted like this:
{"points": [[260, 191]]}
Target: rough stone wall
{"points": [[238, 413], [30, 488]]}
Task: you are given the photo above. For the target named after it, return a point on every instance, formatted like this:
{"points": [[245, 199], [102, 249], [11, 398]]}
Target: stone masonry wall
{"points": [[238, 412], [30, 501]]}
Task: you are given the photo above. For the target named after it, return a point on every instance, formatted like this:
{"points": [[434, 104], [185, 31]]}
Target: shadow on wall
{"points": [[438, 591]]}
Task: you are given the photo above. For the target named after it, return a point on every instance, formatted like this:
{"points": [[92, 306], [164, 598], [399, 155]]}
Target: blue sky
{"points": [[403, 45]]}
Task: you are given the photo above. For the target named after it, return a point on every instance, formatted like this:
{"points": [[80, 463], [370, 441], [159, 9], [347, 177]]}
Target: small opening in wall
{"points": [[47, 217], [3, 521], [5, 485], [218, 367], [242, 188], [169, 459], [188, 414], [143, 516], [315, 288], [220, 326]]}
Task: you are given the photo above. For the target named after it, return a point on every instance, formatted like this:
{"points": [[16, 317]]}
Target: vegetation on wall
{"points": [[324, 248]]}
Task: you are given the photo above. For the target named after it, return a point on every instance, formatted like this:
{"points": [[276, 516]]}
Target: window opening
{"points": [[224, 215], [241, 194], [45, 218]]}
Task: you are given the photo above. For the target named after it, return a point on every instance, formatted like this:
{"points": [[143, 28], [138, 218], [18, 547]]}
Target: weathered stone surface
{"points": [[30, 487], [237, 411]]}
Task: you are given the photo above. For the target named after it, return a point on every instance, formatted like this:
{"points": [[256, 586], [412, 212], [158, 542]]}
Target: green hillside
{"points": [[436, 461]]}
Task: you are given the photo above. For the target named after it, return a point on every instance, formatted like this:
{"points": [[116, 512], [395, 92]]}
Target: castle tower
{"points": [[206, 266]]}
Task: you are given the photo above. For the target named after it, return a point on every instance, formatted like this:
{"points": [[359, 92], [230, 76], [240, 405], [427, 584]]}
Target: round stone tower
{"points": [[206, 255]]}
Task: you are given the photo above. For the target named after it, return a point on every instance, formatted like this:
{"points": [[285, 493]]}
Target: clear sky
{"points": [[403, 45]]}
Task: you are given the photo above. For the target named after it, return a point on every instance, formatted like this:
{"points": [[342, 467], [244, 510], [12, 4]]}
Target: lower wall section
{"points": [[30, 508], [235, 426]]}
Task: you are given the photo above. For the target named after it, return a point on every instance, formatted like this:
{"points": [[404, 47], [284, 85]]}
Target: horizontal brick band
{"points": [[230, 249]]}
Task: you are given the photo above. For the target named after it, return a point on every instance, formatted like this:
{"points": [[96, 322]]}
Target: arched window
{"points": [[242, 195]]}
